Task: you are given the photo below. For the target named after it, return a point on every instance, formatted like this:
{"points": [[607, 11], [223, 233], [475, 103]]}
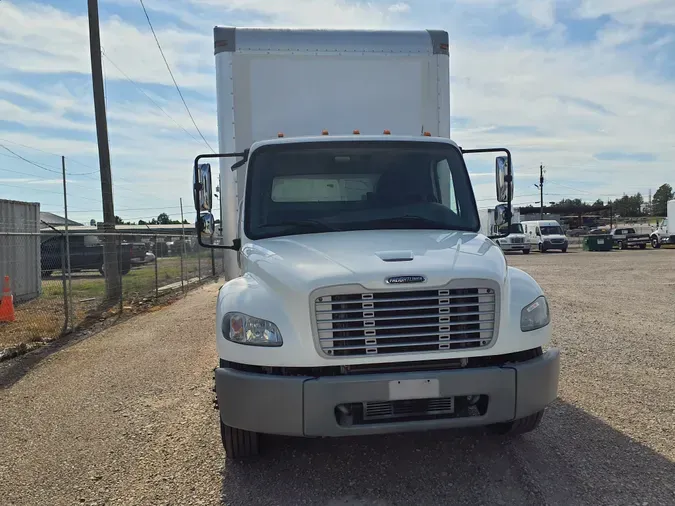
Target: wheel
{"points": [[239, 444], [526, 252], [519, 426], [623, 245], [655, 242], [643, 246], [564, 250]]}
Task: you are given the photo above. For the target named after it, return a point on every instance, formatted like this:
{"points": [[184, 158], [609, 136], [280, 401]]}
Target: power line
{"points": [[138, 87], [47, 153], [570, 187], [84, 174], [30, 161], [48, 191], [172, 78]]}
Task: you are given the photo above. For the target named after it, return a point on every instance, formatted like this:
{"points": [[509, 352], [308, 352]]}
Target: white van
{"points": [[545, 235]]}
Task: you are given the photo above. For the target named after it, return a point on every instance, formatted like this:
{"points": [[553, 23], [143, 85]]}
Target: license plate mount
{"points": [[414, 389]]}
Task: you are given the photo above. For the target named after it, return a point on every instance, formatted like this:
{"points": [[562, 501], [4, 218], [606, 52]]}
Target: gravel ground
{"points": [[125, 416]]}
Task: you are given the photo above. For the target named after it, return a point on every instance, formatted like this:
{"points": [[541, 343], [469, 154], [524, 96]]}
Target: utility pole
{"points": [[110, 263], [541, 191]]}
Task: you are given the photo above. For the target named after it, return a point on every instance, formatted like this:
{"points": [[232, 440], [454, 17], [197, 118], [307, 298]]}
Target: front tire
{"points": [[564, 250], [526, 252], [239, 444], [655, 242], [643, 246]]}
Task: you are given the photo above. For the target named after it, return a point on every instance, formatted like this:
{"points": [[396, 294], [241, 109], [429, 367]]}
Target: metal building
{"points": [[20, 248]]}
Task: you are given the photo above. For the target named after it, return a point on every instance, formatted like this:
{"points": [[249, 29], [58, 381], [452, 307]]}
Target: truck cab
{"points": [[361, 296], [664, 233], [515, 239]]}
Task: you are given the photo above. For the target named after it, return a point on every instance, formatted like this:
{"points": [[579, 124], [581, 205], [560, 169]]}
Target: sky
{"points": [[584, 87]]}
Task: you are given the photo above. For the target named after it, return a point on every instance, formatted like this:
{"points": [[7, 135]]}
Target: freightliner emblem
{"points": [[400, 280]]}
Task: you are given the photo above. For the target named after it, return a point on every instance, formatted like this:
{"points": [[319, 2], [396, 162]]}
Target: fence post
{"points": [[199, 261], [65, 214], [120, 268], [213, 260], [66, 309], [156, 274]]}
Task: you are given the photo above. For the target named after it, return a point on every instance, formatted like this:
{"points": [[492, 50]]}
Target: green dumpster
{"points": [[597, 242]]}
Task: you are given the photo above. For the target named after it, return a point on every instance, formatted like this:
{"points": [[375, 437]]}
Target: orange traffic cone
{"points": [[7, 303]]}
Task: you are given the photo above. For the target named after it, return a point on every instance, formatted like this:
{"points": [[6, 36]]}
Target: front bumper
{"points": [[556, 245], [306, 406], [515, 246]]}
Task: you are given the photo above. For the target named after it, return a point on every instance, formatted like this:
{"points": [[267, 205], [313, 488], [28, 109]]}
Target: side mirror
{"points": [[501, 173], [501, 215], [206, 225], [202, 188]]}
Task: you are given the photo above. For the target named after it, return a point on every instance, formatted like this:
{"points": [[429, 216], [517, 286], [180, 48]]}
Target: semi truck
{"points": [[360, 297], [665, 231], [508, 239]]}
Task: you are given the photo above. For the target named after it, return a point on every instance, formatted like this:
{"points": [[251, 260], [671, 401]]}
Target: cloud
{"points": [[618, 155], [399, 7], [593, 107]]}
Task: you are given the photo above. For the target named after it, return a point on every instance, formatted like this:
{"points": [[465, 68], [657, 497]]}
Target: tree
{"points": [[163, 219], [629, 206], [661, 198], [119, 221], [141, 222]]}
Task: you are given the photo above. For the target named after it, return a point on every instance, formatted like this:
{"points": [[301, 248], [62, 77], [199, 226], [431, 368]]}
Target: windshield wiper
{"points": [[322, 225], [420, 220]]}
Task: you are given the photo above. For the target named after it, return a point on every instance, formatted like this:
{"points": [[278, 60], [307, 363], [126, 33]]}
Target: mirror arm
{"points": [[236, 243], [507, 179]]}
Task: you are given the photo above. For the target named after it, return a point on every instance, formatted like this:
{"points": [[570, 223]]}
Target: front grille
{"points": [[404, 408], [557, 241], [517, 240], [356, 324]]}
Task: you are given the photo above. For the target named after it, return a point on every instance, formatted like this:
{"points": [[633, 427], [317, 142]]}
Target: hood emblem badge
{"points": [[400, 280]]}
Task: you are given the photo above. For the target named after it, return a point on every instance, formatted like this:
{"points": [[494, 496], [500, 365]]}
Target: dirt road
{"points": [[125, 416]]}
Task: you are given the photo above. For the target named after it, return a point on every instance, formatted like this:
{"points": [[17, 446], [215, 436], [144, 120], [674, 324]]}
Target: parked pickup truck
{"points": [[628, 238], [86, 253]]}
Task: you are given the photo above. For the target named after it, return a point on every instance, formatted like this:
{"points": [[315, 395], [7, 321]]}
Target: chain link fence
{"points": [[55, 292]]}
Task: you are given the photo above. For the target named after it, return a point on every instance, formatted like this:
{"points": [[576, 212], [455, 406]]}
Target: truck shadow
{"points": [[573, 458]]}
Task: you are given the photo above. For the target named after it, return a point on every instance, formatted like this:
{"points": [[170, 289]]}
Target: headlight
{"points": [[244, 329], [535, 315]]}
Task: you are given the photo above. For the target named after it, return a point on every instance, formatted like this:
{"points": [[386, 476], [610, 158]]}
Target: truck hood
{"points": [[305, 262]]}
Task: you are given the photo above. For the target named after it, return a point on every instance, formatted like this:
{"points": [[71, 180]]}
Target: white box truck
{"points": [[513, 240], [360, 297], [665, 231]]}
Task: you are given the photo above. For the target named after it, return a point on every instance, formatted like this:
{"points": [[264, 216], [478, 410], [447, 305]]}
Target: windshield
{"points": [[516, 228], [338, 186], [551, 230]]}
